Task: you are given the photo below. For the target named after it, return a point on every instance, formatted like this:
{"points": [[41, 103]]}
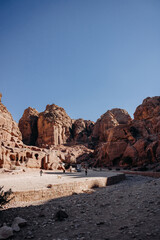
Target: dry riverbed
{"points": [[127, 210]]}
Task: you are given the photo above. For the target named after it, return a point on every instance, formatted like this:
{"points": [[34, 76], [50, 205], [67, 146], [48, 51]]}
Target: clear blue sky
{"points": [[87, 56]]}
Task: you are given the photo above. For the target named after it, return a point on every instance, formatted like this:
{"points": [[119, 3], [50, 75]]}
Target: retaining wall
{"points": [[66, 189]]}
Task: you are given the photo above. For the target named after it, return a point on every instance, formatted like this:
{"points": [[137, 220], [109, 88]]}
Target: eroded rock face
{"points": [[110, 119], [19, 156], [81, 130], [150, 108], [9, 130], [135, 143], [28, 126], [53, 126], [13, 152], [118, 140]]}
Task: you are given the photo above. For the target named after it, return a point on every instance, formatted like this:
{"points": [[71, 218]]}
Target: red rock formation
{"points": [[135, 143], [9, 130], [28, 126], [53, 126], [81, 130], [119, 140], [150, 108], [110, 119], [15, 154]]}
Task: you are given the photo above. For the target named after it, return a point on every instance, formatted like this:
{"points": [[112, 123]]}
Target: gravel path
{"points": [[128, 210]]}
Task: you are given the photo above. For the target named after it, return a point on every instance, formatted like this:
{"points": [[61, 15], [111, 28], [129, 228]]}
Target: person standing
{"points": [[86, 171], [41, 172]]}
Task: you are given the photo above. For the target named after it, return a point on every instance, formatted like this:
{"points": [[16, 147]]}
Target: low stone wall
{"points": [[146, 174], [66, 189]]}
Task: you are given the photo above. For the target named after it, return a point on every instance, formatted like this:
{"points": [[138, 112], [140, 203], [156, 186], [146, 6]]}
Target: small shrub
{"points": [[5, 196]]}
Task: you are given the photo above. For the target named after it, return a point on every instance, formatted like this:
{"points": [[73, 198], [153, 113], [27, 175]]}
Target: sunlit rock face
{"points": [[53, 123], [115, 139], [134, 143], [9, 130], [14, 154], [110, 119], [150, 108], [54, 126], [28, 126]]}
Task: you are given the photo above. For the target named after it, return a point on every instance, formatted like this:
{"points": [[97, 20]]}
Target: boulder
{"points": [[6, 232], [17, 223]]}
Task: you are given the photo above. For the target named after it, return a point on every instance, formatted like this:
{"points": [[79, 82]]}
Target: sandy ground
{"points": [[31, 179], [124, 211]]}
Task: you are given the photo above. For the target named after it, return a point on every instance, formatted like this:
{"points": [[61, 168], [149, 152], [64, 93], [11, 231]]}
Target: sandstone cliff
{"points": [[15, 154], [53, 126], [28, 126], [82, 130], [117, 139], [9, 130], [110, 119], [134, 143]]}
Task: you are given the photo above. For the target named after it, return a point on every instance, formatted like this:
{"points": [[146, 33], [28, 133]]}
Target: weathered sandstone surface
{"points": [[110, 119], [8, 127], [28, 126], [150, 108], [53, 126], [13, 153], [134, 143], [81, 130], [53, 138]]}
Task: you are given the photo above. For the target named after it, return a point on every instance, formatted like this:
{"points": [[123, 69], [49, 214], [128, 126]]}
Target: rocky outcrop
{"points": [[54, 126], [9, 130], [135, 143], [28, 126], [116, 138], [13, 152], [150, 108], [81, 130], [110, 119], [19, 156]]}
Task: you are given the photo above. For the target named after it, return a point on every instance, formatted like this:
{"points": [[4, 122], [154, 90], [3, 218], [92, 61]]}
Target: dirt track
{"points": [[128, 210]]}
